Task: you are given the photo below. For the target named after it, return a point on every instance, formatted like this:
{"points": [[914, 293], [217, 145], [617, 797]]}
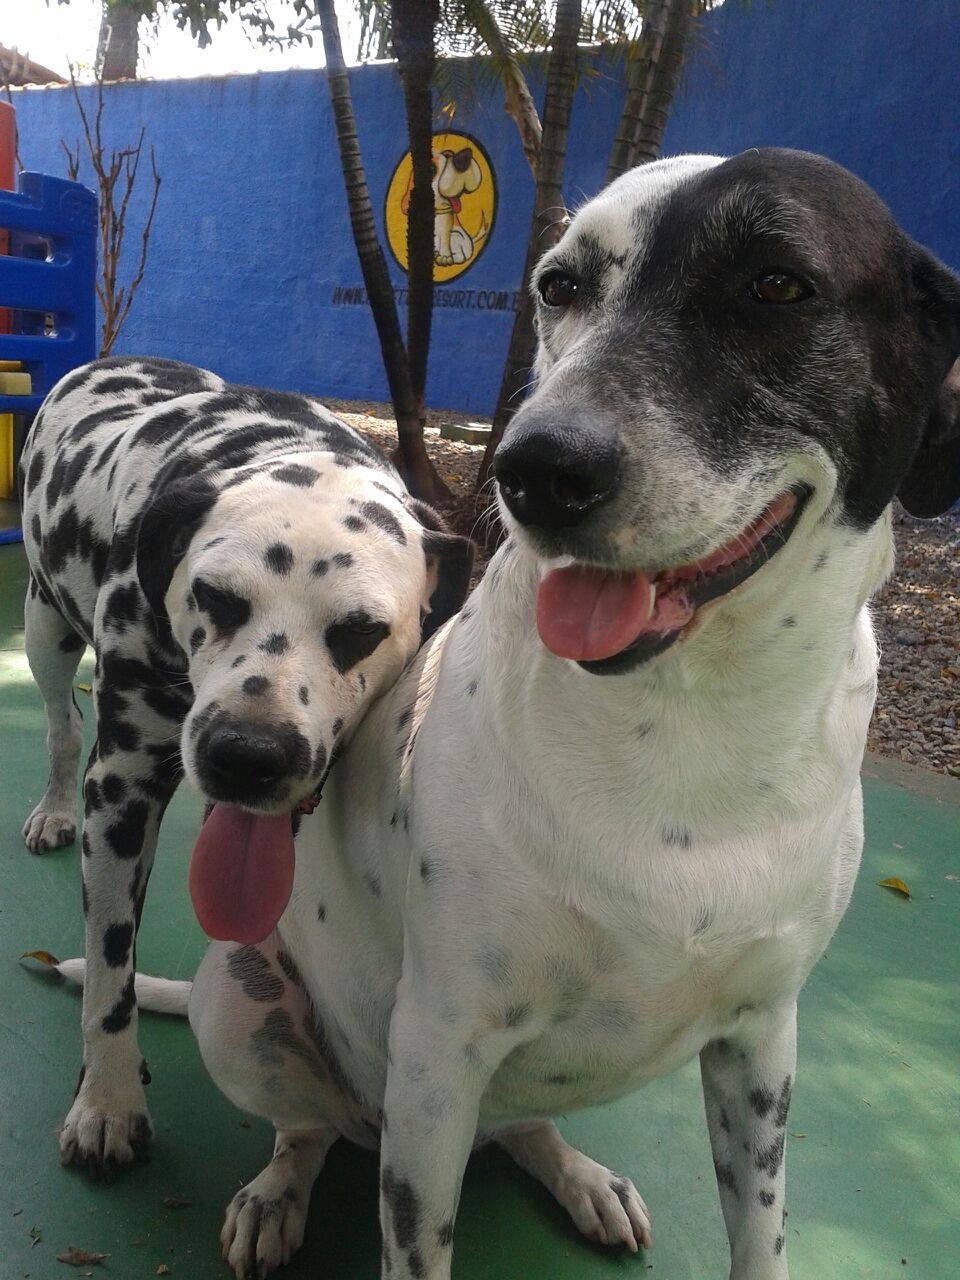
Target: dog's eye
{"points": [[225, 609], [353, 639], [780, 288], [558, 289]]}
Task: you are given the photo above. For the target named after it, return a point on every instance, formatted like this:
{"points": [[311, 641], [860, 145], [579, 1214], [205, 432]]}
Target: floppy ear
{"points": [[166, 527], [932, 484], [450, 557]]}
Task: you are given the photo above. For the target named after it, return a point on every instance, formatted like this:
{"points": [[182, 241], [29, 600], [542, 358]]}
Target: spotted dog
{"points": [[251, 573], [610, 817]]}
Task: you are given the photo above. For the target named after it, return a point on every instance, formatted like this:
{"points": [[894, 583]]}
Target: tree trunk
{"points": [[414, 23], [640, 72], [118, 43], [547, 223], [411, 455], [662, 82]]}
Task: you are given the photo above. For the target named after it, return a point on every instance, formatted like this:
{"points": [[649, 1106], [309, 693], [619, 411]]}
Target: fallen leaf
{"points": [[171, 1202], [897, 846], [162, 1270], [895, 883], [75, 1257], [85, 688], [43, 956], [35, 1236]]}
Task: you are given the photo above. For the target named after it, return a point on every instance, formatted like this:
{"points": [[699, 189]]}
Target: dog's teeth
{"points": [[652, 604]]}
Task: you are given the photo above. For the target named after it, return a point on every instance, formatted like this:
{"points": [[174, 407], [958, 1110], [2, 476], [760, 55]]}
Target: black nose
{"points": [[554, 467], [239, 755]]}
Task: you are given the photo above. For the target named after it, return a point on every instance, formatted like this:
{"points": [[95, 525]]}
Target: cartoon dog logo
{"points": [[463, 203]]}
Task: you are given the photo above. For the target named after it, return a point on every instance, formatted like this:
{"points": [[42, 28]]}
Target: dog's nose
{"points": [[554, 468], [243, 754]]}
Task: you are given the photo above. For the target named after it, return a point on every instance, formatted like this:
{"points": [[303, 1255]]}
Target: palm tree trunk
{"points": [[414, 23], [661, 82], [547, 223], [518, 101], [640, 71], [117, 46], [411, 455]]}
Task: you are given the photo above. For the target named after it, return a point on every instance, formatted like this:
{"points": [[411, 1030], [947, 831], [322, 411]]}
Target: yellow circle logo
{"points": [[464, 204]]}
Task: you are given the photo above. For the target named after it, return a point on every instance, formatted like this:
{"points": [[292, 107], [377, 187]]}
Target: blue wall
{"points": [[251, 240]]}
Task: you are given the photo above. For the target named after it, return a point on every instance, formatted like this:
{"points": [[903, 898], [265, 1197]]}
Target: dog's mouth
{"points": [[610, 621]]}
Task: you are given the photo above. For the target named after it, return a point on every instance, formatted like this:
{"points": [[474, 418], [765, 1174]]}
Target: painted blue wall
{"points": [[251, 239]]}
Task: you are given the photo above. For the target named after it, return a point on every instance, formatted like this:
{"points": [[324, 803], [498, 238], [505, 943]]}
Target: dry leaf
{"points": [[895, 883], [44, 957], [75, 1257], [162, 1270], [84, 688]]}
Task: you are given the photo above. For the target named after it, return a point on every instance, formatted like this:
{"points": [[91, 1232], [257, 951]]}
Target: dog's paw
{"points": [[100, 1140], [606, 1207], [264, 1225], [45, 830]]}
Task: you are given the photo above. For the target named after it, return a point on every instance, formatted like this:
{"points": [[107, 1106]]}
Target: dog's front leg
{"points": [[746, 1087], [435, 1079], [125, 793]]}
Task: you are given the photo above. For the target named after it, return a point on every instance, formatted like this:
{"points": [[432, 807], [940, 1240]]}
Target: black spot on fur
{"points": [[770, 1158], [373, 884], [252, 970], [427, 870], [279, 558], [783, 1103], [354, 524], [677, 836], [288, 966], [404, 1206], [337, 726], [515, 1014], [225, 609], [321, 912], [71, 643], [472, 687], [761, 1099], [788, 621], [821, 562], [113, 787], [354, 639], [384, 519], [197, 637], [239, 660], [254, 685], [778, 1245], [118, 1019], [296, 473], [767, 1199], [727, 1178], [117, 941], [343, 559], [445, 1234], [724, 1120], [276, 643], [125, 836], [123, 606], [319, 568]]}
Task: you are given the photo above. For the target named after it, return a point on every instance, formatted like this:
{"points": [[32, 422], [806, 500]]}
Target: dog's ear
{"points": [[166, 527], [449, 564], [932, 484]]}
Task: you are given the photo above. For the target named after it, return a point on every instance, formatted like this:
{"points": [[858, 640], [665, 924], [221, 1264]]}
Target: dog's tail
{"points": [[157, 995]]}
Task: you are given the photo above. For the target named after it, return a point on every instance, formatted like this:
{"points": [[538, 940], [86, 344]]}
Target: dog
{"points": [[455, 174], [610, 816], [251, 573]]}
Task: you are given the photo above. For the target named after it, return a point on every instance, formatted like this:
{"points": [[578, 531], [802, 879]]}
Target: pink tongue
{"points": [[241, 873], [588, 614]]}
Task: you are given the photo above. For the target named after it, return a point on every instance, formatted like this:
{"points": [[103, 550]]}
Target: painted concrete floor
{"points": [[873, 1157]]}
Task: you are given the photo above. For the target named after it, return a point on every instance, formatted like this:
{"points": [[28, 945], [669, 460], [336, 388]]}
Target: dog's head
{"points": [[298, 594], [456, 173], [730, 351]]}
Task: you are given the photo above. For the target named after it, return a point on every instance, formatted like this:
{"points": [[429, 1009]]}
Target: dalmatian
{"points": [[251, 573], [610, 816]]}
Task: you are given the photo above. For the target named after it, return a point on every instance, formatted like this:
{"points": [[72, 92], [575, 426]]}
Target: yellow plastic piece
{"points": [[15, 384], [6, 455]]}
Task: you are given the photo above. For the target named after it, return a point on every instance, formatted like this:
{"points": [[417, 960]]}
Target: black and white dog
{"points": [[251, 573], [610, 817]]}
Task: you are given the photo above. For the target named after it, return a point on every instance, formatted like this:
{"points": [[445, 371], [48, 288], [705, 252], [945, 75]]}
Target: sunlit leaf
{"points": [[895, 883]]}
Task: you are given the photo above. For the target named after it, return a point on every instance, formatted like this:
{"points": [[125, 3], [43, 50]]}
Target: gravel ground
{"points": [[917, 614]]}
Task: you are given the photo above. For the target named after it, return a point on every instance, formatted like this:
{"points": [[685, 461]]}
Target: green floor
{"points": [[873, 1158]]}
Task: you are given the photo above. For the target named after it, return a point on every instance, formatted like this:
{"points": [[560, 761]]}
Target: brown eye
{"points": [[780, 288], [558, 289]]}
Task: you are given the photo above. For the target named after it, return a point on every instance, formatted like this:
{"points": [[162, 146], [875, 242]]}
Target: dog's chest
{"points": [[619, 1007]]}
